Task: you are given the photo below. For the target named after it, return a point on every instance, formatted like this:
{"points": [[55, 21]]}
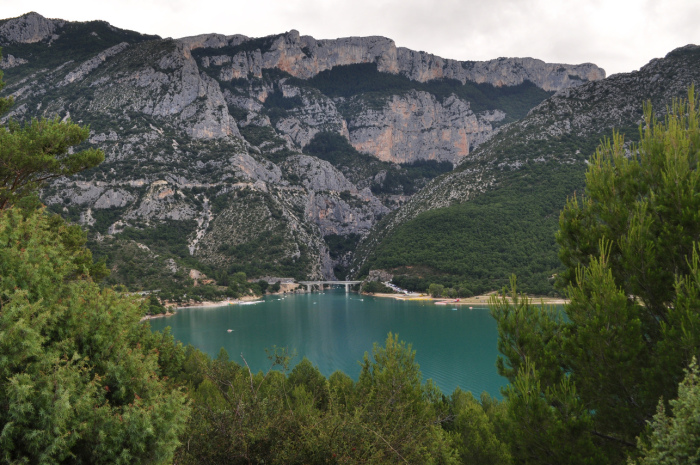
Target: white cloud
{"points": [[620, 36]]}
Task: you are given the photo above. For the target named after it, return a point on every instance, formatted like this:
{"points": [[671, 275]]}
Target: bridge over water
{"points": [[310, 284]]}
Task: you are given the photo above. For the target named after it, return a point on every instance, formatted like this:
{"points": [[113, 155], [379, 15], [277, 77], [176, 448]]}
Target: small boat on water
{"points": [[252, 302]]}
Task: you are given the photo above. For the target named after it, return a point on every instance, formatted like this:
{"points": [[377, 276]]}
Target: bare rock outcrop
{"points": [[315, 114], [9, 61], [305, 57], [81, 71], [421, 66], [251, 169], [114, 198], [417, 126], [318, 175], [162, 201], [28, 29], [343, 214]]}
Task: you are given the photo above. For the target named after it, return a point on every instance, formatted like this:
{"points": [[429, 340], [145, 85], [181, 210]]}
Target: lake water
{"points": [[454, 348]]}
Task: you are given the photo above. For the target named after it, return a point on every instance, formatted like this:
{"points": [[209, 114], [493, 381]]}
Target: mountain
{"points": [[497, 212], [272, 155]]}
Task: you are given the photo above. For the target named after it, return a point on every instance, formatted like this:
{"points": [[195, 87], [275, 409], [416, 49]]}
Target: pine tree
{"points": [[632, 274], [38, 151]]}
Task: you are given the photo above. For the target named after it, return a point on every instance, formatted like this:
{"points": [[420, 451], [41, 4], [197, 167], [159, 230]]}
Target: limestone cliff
{"points": [[28, 29], [417, 126], [305, 57]]}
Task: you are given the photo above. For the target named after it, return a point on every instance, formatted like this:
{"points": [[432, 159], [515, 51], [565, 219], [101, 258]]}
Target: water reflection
{"points": [[335, 329]]}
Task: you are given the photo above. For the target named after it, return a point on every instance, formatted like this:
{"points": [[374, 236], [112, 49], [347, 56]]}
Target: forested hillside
{"points": [[498, 211]]}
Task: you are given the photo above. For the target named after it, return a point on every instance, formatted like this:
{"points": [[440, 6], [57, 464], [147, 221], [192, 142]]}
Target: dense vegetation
{"points": [[473, 245], [585, 386]]}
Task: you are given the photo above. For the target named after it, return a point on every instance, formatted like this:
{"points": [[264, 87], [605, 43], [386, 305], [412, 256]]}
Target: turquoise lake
{"points": [[455, 346]]}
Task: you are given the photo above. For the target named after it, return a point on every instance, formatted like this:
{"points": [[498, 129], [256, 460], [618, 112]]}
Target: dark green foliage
{"points": [[153, 305], [256, 135], [373, 287], [5, 102], [410, 177], [105, 217], [277, 106], [509, 230], [169, 236], [436, 290], [82, 377], [394, 402], [515, 101], [676, 440], [339, 245], [261, 43], [477, 426], [248, 258], [307, 375], [148, 268], [388, 416], [38, 151], [135, 268], [632, 272], [262, 285], [412, 283], [350, 80]]}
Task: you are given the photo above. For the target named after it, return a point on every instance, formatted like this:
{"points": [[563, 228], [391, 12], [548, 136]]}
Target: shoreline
{"points": [[475, 300], [171, 307], [480, 300], [214, 303]]}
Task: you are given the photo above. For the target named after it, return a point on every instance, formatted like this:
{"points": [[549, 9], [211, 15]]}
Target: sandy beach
{"points": [[211, 303], [481, 300], [171, 306]]}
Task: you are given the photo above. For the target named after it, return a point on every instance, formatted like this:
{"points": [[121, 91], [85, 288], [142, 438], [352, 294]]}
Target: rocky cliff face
{"points": [[417, 126], [305, 57], [204, 136], [548, 149], [29, 29]]}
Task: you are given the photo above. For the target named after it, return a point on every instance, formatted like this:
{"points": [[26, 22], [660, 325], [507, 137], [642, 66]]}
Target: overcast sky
{"points": [[618, 35]]}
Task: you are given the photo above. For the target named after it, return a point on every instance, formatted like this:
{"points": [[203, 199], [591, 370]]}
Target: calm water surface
{"points": [[455, 348]]}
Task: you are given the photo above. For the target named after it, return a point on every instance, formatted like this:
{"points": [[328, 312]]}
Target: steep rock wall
{"points": [[416, 126], [304, 57]]}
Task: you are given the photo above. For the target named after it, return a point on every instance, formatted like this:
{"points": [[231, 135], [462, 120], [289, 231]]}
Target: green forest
{"points": [[473, 245]]}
